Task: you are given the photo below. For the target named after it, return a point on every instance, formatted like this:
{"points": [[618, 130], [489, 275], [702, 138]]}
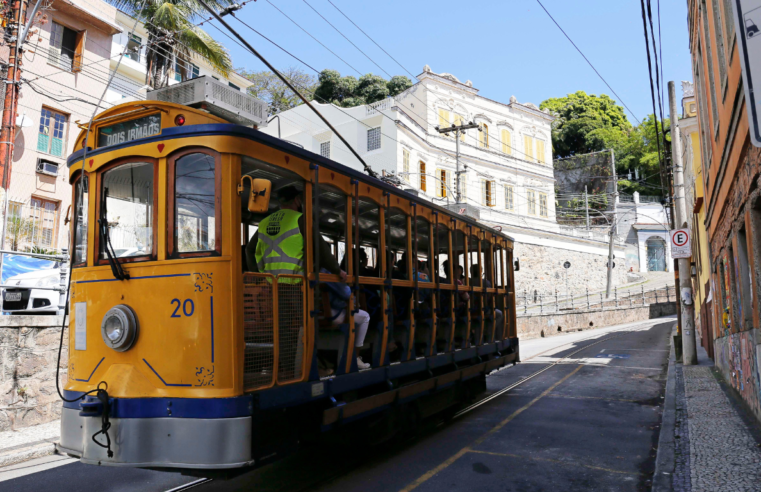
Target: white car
{"points": [[25, 299]]}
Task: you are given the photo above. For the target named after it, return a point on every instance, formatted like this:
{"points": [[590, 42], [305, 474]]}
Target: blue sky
{"points": [[508, 47]]}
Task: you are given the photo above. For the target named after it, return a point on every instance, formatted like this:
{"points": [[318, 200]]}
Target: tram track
{"points": [[351, 464]]}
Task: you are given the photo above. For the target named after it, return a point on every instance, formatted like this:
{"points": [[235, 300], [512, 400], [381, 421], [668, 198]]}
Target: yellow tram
{"points": [[206, 364]]}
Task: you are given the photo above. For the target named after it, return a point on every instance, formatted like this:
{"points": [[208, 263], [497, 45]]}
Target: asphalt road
{"points": [[589, 421]]}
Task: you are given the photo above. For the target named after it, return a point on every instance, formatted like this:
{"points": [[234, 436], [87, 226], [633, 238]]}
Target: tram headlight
{"points": [[119, 328]]}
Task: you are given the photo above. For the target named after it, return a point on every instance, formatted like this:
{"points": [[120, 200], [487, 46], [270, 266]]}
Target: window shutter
{"points": [[438, 183], [423, 181], [492, 194], [79, 52], [458, 120], [540, 151], [443, 119], [506, 142], [56, 38], [528, 144], [483, 192]]}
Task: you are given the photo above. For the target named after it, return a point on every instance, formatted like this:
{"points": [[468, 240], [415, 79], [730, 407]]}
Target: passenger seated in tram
{"points": [[464, 297], [476, 280], [339, 294]]}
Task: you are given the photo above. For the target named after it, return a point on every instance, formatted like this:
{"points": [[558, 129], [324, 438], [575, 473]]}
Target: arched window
{"points": [[483, 137]]}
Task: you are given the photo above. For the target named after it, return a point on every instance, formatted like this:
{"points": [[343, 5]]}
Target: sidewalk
{"points": [[705, 444], [28, 443]]}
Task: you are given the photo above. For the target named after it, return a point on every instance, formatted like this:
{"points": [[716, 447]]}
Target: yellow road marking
{"points": [[430, 473], [550, 460]]}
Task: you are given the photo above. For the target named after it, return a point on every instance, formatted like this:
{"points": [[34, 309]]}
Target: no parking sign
{"points": [[680, 243]]}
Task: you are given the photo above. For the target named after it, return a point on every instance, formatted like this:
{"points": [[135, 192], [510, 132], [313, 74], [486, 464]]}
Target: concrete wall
{"points": [[545, 325], [28, 355]]}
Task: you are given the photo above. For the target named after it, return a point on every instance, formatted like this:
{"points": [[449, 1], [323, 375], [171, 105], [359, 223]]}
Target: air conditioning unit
{"points": [[45, 166], [217, 98]]}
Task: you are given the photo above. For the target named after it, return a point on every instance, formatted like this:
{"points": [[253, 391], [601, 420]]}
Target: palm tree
{"points": [[173, 37]]}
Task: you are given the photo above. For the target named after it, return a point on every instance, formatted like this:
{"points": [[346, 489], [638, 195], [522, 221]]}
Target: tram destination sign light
{"points": [[748, 27], [680, 243]]}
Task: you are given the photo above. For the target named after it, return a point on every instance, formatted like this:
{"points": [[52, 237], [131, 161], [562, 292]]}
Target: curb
{"points": [[27, 453], [664, 459]]}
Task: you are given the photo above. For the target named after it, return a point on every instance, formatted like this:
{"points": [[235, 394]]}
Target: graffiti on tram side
{"points": [[204, 282], [736, 358], [205, 376]]}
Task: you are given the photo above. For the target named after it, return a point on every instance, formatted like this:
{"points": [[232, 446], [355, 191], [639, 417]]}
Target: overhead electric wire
{"points": [[657, 75], [588, 62], [652, 94]]}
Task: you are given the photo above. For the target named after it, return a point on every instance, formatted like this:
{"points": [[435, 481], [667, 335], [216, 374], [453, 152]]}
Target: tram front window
{"points": [[81, 195], [195, 211], [128, 193]]}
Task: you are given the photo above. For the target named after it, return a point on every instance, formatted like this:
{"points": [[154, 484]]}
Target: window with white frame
{"points": [[50, 139], [441, 186], [373, 139], [509, 203], [488, 198], [531, 202], [406, 165], [325, 149], [543, 204], [133, 47]]}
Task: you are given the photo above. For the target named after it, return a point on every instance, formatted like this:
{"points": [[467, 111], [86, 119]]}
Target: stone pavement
{"points": [[714, 448], [28, 443]]}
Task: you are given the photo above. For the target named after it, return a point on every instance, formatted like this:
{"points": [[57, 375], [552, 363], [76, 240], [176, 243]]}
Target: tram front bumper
{"points": [[159, 442]]}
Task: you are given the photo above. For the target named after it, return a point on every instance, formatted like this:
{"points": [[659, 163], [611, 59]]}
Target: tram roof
{"points": [[229, 129]]}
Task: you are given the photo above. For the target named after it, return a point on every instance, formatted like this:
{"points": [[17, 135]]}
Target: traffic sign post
{"points": [[748, 27], [680, 243]]}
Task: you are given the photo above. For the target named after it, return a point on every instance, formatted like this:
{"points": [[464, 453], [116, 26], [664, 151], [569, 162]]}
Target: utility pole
{"points": [[586, 205], [613, 226], [689, 349], [10, 105], [458, 130]]}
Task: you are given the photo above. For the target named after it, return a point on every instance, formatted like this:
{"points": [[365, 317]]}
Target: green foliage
{"points": [[18, 230], [579, 115], [349, 92], [589, 123], [172, 33], [269, 88], [39, 250]]}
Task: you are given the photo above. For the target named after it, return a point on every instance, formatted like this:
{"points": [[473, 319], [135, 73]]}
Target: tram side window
{"points": [[81, 202], [195, 213], [369, 238], [127, 192]]}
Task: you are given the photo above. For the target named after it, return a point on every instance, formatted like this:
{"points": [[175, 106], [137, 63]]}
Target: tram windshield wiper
{"points": [[105, 240]]}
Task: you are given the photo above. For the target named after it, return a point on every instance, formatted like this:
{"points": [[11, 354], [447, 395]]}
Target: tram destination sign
{"points": [[126, 131]]}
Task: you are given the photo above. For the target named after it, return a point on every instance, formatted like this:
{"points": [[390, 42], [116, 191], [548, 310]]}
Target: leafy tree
{"points": [[578, 116], [173, 35], [269, 88], [349, 92]]}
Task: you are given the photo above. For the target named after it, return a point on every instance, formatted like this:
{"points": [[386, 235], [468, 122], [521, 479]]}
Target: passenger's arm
{"points": [[251, 253]]}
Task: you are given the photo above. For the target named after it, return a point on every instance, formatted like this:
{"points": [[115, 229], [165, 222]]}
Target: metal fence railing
{"points": [[555, 302]]}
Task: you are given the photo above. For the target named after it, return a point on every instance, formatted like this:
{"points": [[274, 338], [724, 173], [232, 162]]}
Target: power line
{"points": [[588, 62]]}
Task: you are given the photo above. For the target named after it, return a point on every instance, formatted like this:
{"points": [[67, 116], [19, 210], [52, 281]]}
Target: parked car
{"points": [[25, 299]]}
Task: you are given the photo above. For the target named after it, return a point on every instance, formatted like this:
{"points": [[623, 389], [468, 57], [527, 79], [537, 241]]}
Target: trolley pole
{"points": [[458, 130], [684, 294]]}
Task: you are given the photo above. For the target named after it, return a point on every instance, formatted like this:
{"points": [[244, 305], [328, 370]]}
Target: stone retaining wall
{"points": [[28, 355], [545, 325], [542, 270]]}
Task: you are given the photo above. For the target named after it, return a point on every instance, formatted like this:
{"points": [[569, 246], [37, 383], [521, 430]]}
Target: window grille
{"points": [[373, 139], [325, 150]]}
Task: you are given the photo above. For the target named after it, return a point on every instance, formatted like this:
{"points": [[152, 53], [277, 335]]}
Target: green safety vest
{"points": [[280, 249]]}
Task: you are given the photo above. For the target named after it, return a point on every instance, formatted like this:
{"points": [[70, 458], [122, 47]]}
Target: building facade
{"points": [[73, 49], [506, 168], [731, 174]]}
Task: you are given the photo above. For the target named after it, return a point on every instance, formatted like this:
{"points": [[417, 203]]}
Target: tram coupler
{"points": [[91, 406]]}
